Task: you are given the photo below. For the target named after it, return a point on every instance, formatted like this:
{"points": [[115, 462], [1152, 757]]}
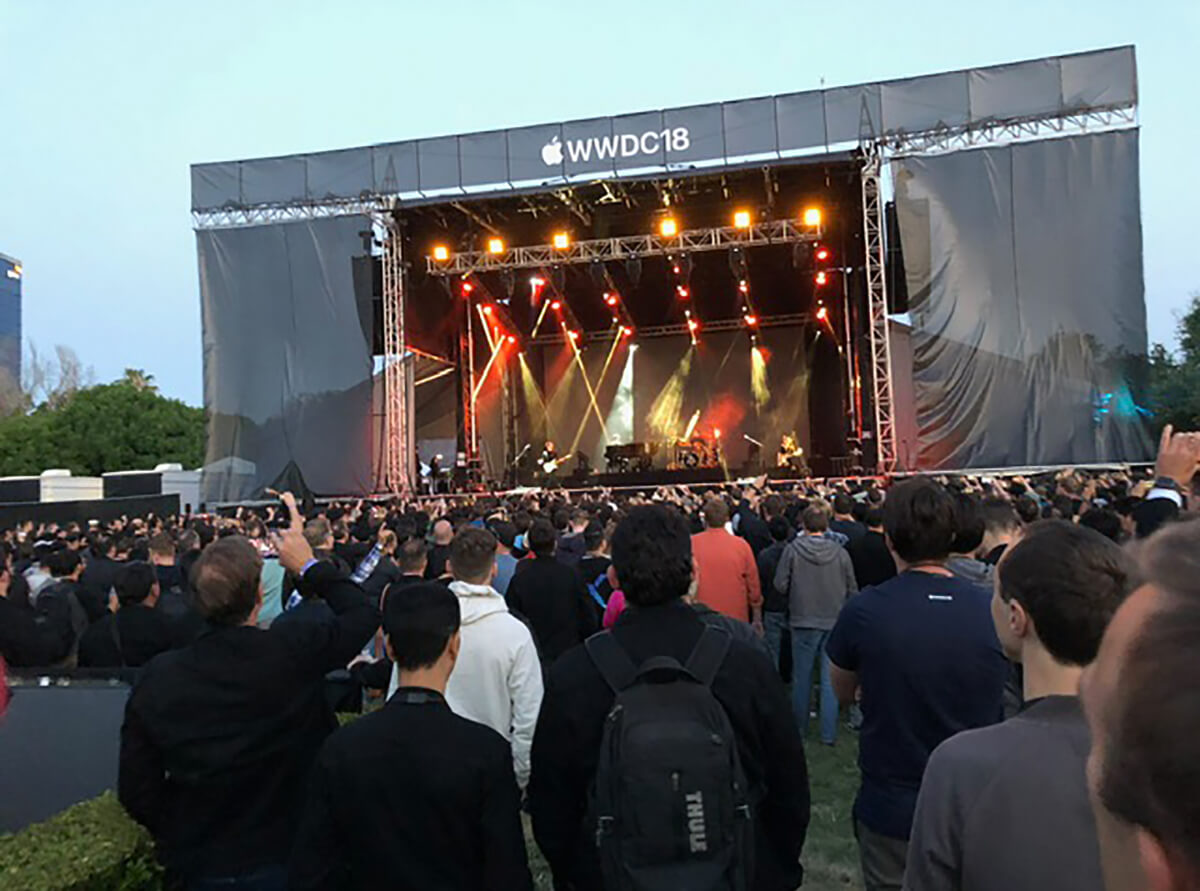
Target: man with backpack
{"points": [[666, 754]]}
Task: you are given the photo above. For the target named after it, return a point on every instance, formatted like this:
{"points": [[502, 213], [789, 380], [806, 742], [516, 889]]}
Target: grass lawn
{"points": [[830, 853]]}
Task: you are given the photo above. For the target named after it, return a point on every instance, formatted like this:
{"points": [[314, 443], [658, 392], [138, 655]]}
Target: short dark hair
{"points": [[593, 536], [134, 582], [919, 519], [773, 506], [412, 555], [505, 532], [779, 528], [226, 578], [652, 555], [968, 525], [61, 563], [1070, 580], [815, 519], [420, 624], [1152, 732], [874, 517], [843, 503], [1106, 522], [472, 554], [715, 513], [542, 538], [999, 516], [1027, 509]]}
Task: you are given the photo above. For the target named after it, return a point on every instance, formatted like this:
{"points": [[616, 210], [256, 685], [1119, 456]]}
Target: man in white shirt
{"points": [[497, 679]]}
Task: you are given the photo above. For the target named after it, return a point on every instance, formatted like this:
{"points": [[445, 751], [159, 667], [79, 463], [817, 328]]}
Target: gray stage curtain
{"points": [[287, 367], [1024, 267]]}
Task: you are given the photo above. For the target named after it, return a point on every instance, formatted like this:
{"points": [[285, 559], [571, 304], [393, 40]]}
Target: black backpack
{"points": [[670, 803]]}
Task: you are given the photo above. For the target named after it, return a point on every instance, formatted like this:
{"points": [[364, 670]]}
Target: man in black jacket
{"points": [[27, 639], [219, 736], [414, 793], [873, 562], [99, 574], [551, 596], [652, 560], [134, 634]]}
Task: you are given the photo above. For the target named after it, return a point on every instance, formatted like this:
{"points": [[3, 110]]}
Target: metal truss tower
{"points": [[877, 313], [399, 435]]}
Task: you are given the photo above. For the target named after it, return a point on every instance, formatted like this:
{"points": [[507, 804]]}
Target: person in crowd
{"points": [[412, 559], [506, 563], [497, 678], [414, 792], [968, 538], [27, 639], [439, 554], [60, 604], [727, 576], [36, 575], [162, 558], [384, 570], [748, 525], [1144, 715], [991, 792], [66, 571], [775, 601], [1001, 529], [219, 736], [818, 577], [319, 533], [551, 596], [873, 562], [843, 521], [174, 601], [922, 650], [571, 546], [593, 566], [1028, 509], [99, 575], [136, 632], [1105, 521], [652, 563]]}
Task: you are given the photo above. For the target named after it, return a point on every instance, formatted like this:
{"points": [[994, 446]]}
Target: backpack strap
{"points": [[708, 654], [611, 660]]}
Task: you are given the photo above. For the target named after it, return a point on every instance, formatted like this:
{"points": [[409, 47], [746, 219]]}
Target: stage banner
{"points": [[1024, 271], [287, 366]]}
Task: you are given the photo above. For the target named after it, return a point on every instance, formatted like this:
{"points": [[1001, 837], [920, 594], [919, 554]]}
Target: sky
{"points": [[103, 107]]}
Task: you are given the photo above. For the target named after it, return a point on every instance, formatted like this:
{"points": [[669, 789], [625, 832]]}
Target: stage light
{"points": [[556, 305], [574, 335], [562, 241], [744, 286], [693, 325], [467, 287], [632, 347], [487, 310], [741, 219], [610, 299], [537, 281], [627, 331], [751, 320], [495, 245], [822, 254], [441, 253], [512, 339], [812, 216], [683, 292], [668, 228], [822, 278], [822, 314], [717, 432]]}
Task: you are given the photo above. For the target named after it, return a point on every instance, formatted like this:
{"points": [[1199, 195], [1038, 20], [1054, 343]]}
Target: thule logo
{"points": [[624, 145], [697, 836]]}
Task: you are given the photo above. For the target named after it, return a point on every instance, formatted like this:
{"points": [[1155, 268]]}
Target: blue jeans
{"points": [[774, 625], [265, 878], [808, 649]]}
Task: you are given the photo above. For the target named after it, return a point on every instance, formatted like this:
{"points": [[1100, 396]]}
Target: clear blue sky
{"points": [[104, 105]]}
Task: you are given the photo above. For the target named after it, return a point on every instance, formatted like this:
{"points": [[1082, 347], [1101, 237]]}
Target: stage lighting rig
{"points": [[562, 241], [495, 246], [668, 227], [741, 219], [441, 253], [812, 217]]}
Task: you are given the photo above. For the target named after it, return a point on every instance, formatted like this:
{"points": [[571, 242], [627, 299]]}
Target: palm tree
{"points": [[139, 379]]}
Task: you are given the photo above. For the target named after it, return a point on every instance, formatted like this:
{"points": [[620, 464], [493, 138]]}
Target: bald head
{"points": [[443, 532]]}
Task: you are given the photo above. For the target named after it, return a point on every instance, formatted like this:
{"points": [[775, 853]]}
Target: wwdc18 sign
{"points": [[618, 145]]}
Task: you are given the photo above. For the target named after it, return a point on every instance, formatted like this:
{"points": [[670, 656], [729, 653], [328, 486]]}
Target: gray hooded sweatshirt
{"points": [[818, 578]]}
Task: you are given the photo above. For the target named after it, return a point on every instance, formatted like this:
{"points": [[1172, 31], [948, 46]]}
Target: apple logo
{"points": [[552, 154]]}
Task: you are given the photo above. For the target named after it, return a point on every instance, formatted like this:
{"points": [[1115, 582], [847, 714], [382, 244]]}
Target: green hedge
{"points": [[93, 846]]}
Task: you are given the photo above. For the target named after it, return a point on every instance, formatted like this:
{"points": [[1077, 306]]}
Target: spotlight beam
{"points": [[496, 350]]}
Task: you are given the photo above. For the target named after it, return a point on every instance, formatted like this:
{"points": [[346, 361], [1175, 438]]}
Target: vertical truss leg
{"points": [[399, 446], [877, 308]]}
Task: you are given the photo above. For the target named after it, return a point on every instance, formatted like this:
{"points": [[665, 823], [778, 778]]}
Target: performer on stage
{"points": [[548, 462]]}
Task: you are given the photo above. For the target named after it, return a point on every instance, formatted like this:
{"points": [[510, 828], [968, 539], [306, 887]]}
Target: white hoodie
{"points": [[497, 679]]}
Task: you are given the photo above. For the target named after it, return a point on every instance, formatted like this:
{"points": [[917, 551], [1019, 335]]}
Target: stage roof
{"points": [[674, 141]]}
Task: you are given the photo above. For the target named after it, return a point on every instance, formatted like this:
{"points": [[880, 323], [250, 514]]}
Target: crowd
{"points": [[636, 672]]}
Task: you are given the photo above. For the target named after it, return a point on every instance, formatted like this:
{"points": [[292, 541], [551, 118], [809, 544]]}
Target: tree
{"points": [[1175, 378], [139, 379], [125, 425]]}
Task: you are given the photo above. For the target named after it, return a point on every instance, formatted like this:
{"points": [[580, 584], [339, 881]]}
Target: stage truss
{"points": [[399, 432], [877, 314]]}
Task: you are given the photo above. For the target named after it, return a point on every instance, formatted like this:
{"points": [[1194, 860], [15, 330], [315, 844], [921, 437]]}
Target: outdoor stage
{"points": [[689, 280]]}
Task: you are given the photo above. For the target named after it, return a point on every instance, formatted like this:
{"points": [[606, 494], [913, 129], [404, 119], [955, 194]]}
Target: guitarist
{"points": [[548, 462]]}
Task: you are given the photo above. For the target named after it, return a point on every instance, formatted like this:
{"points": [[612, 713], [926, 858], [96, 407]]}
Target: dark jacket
{"points": [[412, 796], [753, 528], [553, 599], [571, 549], [438, 563], [128, 638], [28, 640], [219, 736], [386, 572], [97, 579], [736, 628], [873, 562], [59, 608], [774, 600], [567, 742]]}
